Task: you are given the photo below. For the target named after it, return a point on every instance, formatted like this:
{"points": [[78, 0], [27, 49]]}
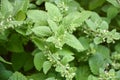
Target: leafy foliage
{"points": [[59, 40]]}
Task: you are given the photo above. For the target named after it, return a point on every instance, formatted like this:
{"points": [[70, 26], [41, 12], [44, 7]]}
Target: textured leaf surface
{"points": [[17, 76], [46, 66], [39, 59], [42, 31], [53, 12], [72, 41]]}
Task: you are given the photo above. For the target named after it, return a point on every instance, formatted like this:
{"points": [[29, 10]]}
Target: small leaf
{"points": [[97, 40], [38, 42], [46, 66], [17, 76], [52, 25], [104, 25], [20, 16], [72, 41], [38, 16], [39, 59], [42, 31], [53, 12], [67, 59], [4, 61]]}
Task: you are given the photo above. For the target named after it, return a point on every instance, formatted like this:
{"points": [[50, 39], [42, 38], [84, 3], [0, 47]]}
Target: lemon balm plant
{"points": [[59, 40]]}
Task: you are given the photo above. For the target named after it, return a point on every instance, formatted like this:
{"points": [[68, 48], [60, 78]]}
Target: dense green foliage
{"points": [[60, 40]]}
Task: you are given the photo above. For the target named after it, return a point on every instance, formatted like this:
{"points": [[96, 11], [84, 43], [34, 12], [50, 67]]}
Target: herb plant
{"points": [[59, 40]]}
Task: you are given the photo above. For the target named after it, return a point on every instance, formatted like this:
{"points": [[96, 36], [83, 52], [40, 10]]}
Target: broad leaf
{"points": [[39, 59], [42, 31], [95, 63], [17, 76], [38, 16], [53, 12], [46, 66], [72, 41], [112, 12], [82, 73]]}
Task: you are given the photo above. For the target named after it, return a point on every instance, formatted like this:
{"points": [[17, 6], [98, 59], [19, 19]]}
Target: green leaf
{"points": [[6, 8], [39, 2], [28, 63], [65, 52], [39, 60], [104, 25], [42, 31], [17, 76], [37, 76], [95, 3], [38, 16], [5, 74], [21, 5], [67, 59], [85, 42], [91, 77], [14, 44], [51, 78], [52, 25], [72, 41], [117, 47], [104, 51], [96, 62], [112, 12], [20, 16], [91, 24], [53, 12], [4, 61], [97, 40], [75, 19], [38, 42], [82, 73], [18, 60], [114, 3], [46, 66]]}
